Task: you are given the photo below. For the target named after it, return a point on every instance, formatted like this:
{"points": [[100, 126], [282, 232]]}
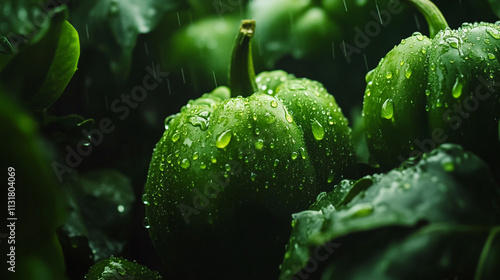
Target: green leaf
{"points": [[495, 6], [120, 268], [426, 210], [63, 67], [47, 66], [101, 213], [67, 130], [112, 27]]}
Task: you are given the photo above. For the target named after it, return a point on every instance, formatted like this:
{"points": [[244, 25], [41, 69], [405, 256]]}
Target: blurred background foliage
{"points": [[335, 42]]}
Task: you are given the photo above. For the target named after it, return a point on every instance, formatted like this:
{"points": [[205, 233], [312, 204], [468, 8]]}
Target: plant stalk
{"points": [[241, 72], [432, 14]]}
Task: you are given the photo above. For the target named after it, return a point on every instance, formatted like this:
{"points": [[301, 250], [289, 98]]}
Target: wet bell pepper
{"points": [[233, 166], [428, 91]]}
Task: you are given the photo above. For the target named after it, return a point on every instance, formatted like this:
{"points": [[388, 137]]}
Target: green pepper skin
{"points": [[300, 24], [200, 50], [429, 91], [120, 268], [228, 172]]}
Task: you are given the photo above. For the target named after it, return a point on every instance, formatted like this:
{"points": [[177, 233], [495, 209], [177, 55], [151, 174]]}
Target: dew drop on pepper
{"points": [[317, 130], [259, 144], [457, 89], [185, 163], [387, 111], [223, 139]]}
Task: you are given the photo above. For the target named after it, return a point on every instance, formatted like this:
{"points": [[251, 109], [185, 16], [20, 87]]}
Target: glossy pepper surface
{"points": [[230, 170], [427, 91]]}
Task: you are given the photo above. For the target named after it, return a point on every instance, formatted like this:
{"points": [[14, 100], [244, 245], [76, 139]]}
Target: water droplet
{"points": [[276, 161], [274, 104], [438, 103], [253, 176], [491, 56], [227, 167], [198, 121], [175, 137], [145, 222], [145, 199], [453, 42], [259, 144], [361, 210], [388, 75], [294, 155], [257, 131], [387, 111], [427, 92], [457, 89], [448, 164], [223, 139], [419, 36], [303, 152], [213, 159], [120, 270], [408, 73], [269, 118], [168, 120], [195, 156], [331, 176], [493, 32], [317, 130], [203, 165], [296, 86], [321, 196], [185, 163], [120, 208], [287, 115]]}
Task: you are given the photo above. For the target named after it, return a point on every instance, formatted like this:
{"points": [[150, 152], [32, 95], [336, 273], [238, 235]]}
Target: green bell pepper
{"points": [[427, 91], [197, 53], [302, 29], [120, 268], [234, 164], [300, 23]]}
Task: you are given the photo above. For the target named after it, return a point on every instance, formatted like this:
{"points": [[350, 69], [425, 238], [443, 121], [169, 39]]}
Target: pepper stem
{"points": [[432, 14], [241, 73]]}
